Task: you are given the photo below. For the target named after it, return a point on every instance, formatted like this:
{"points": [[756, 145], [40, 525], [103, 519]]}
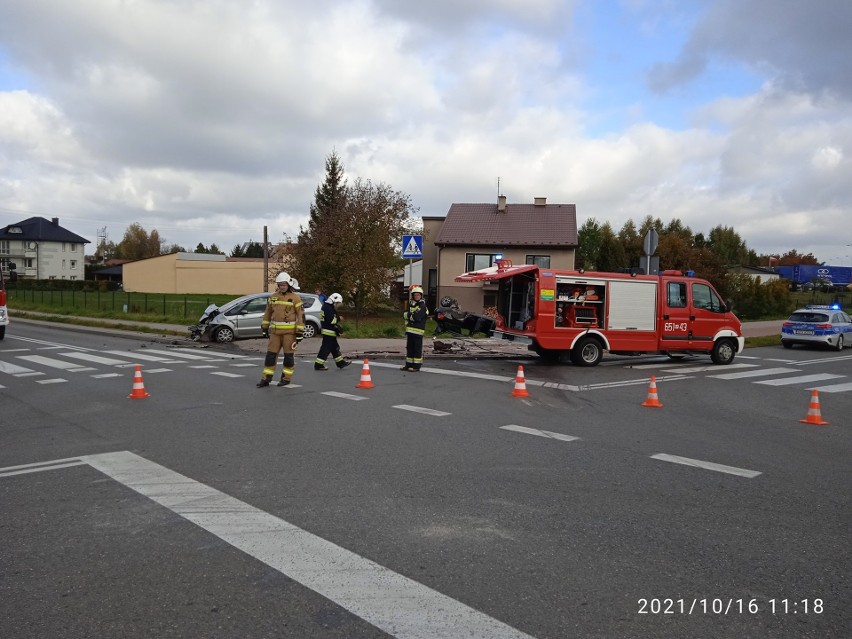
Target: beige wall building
{"points": [[197, 273]]}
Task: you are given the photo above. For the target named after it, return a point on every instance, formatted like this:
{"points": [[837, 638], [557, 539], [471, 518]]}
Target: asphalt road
{"points": [[434, 504]]}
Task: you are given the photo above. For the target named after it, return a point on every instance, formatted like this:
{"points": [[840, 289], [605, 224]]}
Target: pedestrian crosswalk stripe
{"points": [[49, 361], [14, 369], [709, 367], [51, 381], [540, 433], [801, 379], [106, 375], [141, 356], [224, 374], [94, 359], [758, 373], [833, 388]]}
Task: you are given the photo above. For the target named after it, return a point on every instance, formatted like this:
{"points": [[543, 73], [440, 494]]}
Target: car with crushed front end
{"points": [[241, 318]]}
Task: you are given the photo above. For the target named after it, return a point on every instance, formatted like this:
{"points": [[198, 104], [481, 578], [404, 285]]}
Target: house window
{"points": [[539, 260], [73, 277], [63, 265], [29, 262], [4, 247], [63, 247], [73, 264], [477, 261], [73, 247]]}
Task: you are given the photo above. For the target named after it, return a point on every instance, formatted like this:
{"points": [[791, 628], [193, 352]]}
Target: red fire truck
{"points": [[580, 314]]}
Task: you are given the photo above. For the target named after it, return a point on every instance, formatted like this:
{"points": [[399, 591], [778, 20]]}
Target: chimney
{"points": [[541, 201], [54, 221], [501, 203]]}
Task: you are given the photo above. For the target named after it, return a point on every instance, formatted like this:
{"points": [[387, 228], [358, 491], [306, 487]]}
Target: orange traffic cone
{"points": [[365, 382], [138, 385], [814, 415], [653, 401], [520, 384]]}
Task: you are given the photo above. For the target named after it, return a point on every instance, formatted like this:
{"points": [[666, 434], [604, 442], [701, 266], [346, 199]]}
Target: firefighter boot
{"points": [[344, 363], [263, 383], [320, 367], [283, 381]]}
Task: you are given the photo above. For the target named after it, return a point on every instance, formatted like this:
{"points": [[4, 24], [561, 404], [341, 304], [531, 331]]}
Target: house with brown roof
{"points": [[475, 236]]}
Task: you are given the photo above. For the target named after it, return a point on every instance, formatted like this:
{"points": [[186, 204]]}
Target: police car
{"points": [[818, 324]]}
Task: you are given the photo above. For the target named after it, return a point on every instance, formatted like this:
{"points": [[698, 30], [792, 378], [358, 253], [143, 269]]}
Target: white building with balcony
{"points": [[43, 250]]}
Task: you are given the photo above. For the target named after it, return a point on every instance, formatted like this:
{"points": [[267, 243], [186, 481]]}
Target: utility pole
{"points": [[265, 259]]}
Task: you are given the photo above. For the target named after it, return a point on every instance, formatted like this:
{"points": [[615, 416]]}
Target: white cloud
{"points": [[209, 119]]}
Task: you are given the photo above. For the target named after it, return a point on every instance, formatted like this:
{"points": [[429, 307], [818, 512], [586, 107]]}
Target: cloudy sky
{"points": [[210, 119]]}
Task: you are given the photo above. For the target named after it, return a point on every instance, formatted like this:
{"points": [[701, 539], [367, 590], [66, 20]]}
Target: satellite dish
{"points": [[32, 245]]}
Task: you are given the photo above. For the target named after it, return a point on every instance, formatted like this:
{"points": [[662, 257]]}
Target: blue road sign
{"points": [[412, 246]]}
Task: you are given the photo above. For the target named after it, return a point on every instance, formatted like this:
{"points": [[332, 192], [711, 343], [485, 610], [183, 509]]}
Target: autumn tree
{"points": [[728, 245], [374, 218], [137, 244]]}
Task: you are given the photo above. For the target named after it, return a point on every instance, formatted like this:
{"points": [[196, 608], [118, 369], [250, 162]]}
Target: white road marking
{"points": [[95, 359], [37, 467], [224, 374], [173, 354], [194, 351], [53, 363], [57, 380], [834, 388], [14, 369], [201, 366], [141, 356], [393, 603], [343, 395], [424, 411], [697, 463], [800, 379], [711, 367], [540, 433], [157, 370], [106, 375], [243, 365], [758, 373], [30, 374]]}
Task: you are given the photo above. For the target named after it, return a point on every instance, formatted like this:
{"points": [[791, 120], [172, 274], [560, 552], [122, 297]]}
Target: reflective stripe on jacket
{"points": [[284, 314], [415, 317]]}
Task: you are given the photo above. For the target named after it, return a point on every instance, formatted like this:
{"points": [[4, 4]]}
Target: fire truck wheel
{"points": [[723, 352], [587, 352]]}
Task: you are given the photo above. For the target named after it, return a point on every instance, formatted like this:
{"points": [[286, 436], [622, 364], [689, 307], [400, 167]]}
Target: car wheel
{"points": [[723, 352], [223, 335], [839, 345], [587, 352], [310, 330], [786, 344]]}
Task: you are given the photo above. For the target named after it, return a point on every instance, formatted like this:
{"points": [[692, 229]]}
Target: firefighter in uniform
{"points": [[330, 324], [415, 327], [284, 324]]}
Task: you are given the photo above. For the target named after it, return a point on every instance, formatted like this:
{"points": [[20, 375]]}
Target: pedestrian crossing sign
{"points": [[412, 246]]}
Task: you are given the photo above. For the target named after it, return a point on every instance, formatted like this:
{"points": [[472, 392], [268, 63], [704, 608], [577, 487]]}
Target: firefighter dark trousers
{"points": [[413, 350], [329, 347], [277, 343]]}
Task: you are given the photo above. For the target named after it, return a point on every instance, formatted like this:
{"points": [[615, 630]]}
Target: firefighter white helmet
{"points": [[335, 298], [283, 276], [294, 283], [416, 289]]}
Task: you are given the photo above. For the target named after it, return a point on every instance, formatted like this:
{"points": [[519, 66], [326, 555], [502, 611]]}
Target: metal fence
{"points": [[115, 301]]}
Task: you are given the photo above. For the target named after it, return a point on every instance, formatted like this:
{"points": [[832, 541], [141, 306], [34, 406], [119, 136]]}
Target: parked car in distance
{"points": [[818, 325], [240, 318]]}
